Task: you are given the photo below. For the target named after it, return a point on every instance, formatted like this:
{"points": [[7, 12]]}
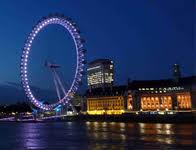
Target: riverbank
{"points": [[145, 118], [180, 117]]}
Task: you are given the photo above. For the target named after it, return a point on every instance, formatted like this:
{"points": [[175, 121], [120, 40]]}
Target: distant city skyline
{"points": [[143, 38]]}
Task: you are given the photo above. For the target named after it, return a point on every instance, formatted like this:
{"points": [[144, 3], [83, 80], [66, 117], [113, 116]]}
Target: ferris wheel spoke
{"points": [[56, 87], [60, 83]]}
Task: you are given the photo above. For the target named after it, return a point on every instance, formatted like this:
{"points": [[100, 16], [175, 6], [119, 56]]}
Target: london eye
{"points": [[68, 94]]}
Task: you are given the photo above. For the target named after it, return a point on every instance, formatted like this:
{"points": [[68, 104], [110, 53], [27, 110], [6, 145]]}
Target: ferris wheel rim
{"points": [[70, 27]]}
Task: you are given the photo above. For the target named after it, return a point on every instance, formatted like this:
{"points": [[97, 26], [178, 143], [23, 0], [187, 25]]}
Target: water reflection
{"points": [[31, 136], [141, 135], [96, 136]]}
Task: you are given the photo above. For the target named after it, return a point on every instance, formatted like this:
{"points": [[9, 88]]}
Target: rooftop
{"points": [[163, 82], [100, 61]]}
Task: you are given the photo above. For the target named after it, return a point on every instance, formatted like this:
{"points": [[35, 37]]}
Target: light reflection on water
{"points": [[96, 136]]}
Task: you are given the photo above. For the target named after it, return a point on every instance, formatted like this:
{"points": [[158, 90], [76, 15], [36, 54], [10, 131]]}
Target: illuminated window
{"points": [[184, 101], [130, 102]]}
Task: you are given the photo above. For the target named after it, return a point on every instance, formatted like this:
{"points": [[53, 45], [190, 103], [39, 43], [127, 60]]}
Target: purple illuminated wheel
{"points": [[70, 27]]}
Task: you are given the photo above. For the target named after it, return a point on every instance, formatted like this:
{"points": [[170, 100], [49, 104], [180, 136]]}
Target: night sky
{"points": [[143, 37]]}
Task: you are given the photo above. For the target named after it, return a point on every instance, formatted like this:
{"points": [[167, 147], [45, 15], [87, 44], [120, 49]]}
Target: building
{"points": [[106, 101], [176, 72], [155, 96], [100, 74], [164, 95]]}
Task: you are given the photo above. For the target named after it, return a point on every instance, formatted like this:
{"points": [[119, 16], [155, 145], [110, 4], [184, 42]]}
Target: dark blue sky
{"points": [[144, 37]]}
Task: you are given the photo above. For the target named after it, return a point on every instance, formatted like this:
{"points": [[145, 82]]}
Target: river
{"points": [[96, 136]]}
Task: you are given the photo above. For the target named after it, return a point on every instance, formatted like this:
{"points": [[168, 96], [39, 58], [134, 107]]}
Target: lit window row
{"points": [[162, 89], [105, 104], [156, 103], [93, 68]]}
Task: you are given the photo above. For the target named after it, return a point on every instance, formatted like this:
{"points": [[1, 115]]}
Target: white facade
{"points": [[100, 73]]}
